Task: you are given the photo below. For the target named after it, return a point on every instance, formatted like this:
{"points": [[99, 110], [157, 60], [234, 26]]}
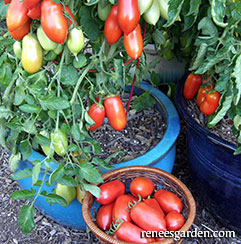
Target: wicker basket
{"points": [[160, 178]]}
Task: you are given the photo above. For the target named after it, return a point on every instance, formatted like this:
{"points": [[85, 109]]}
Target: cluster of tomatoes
{"points": [[113, 108], [126, 216], [207, 99], [56, 21]]}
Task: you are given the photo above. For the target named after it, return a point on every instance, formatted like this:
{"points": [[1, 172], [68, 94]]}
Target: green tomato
{"points": [[153, 14], [103, 12], [75, 41], [60, 142], [163, 5], [50, 56], [144, 5], [17, 49], [46, 149], [44, 41], [67, 192], [58, 49]]}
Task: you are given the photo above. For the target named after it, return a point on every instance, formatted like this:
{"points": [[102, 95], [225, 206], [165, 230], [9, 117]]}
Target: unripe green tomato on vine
{"points": [[144, 5], [103, 12], [60, 142], [75, 41], [44, 41], [17, 49], [58, 49], [46, 149], [153, 13]]}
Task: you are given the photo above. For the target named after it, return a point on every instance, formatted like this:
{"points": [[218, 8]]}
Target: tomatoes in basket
{"points": [[168, 201], [148, 218], [121, 208], [210, 103], [115, 112], [174, 221], [110, 191], [104, 216], [112, 29], [142, 186], [54, 24], [192, 84], [128, 15], [97, 113]]}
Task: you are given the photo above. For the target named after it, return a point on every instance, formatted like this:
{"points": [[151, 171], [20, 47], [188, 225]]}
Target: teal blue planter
{"points": [[161, 156]]}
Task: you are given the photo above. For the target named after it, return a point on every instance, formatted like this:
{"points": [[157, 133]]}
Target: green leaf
{"points": [[56, 174], [94, 190], [19, 95], [22, 174], [67, 180], [80, 62], [238, 150], [54, 103], [5, 112], [36, 171], [200, 56], [103, 163], [23, 194], [26, 149], [218, 12], [95, 146], [91, 2], [222, 82], [158, 37], [26, 218], [88, 119], [237, 121], [69, 75], [13, 161], [119, 72], [89, 173], [42, 140], [53, 198], [3, 133], [30, 108], [144, 101], [76, 133], [237, 76]]}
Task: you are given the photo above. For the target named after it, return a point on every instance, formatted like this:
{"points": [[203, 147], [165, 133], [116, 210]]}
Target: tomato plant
{"points": [[142, 186], [104, 216], [97, 113], [174, 221], [115, 112], [192, 84], [210, 103]]}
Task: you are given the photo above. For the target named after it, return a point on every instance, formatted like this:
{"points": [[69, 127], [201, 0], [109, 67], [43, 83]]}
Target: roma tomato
{"points": [[46, 149], [148, 218], [192, 84], [144, 5], [29, 4], [115, 112], [131, 233], [174, 221], [97, 113], [104, 216], [7, 1], [121, 209], [17, 49], [71, 17], [60, 142], [32, 56], [67, 192], [75, 41], [154, 203], [141, 186], [210, 103], [112, 29], [44, 41], [128, 15], [21, 32], [54, 24], [152, 15], [110, 191], [103, 11], [168, 201], [133, 43], [16, 15], [201, 95], [35, 12]]}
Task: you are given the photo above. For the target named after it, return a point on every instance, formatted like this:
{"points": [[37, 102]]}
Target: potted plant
{"points": [[50, 80], [214, 159]]}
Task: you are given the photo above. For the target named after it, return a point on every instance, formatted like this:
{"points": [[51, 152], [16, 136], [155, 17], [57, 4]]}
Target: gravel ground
{"points": [[47, 231]]}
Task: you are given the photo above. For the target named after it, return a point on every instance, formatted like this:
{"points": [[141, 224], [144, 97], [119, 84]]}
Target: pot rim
{"points": [[182, 108]]}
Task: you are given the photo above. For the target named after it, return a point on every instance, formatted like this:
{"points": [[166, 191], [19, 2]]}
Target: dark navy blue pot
{"points": [[161, 156], [215, 171]]}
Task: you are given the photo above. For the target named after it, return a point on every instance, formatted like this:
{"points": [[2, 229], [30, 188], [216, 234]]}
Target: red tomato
{"points": [[35, 12], [154, 203], [168, 201], [110, 191], [128, 15], [192, 84], [174, 221], [115, 112], [210, 103], [21, 32], [148, 218], [112, 29], [121, 209], [97, 113], [70, 22], [131, 233], [133, 43], [29, 4], [142, 186], [7, 1], [54, 24], [201, 95], [104, 216], [16, 15]]}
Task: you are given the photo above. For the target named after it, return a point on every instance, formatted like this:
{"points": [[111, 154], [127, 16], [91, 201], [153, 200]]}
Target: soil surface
{"points": [[49, 232]]}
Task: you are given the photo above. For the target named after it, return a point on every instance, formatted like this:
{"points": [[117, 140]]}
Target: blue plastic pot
{"points": [[161, 156], [215, 171]]}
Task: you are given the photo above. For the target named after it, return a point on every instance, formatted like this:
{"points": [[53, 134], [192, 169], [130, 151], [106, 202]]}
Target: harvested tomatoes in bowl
{"points": [[139, 205]]}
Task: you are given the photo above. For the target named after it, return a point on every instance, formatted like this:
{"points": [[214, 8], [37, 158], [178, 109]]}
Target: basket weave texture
{"points": [[160, 178]]}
